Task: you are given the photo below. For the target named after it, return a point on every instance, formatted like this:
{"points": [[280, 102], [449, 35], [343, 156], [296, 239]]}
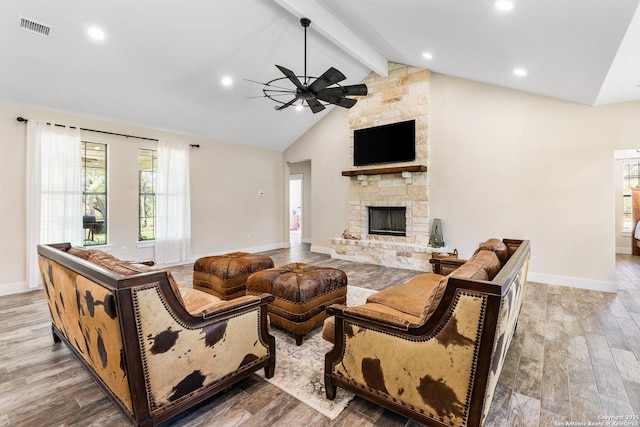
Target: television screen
{"points": [[395, 142]]}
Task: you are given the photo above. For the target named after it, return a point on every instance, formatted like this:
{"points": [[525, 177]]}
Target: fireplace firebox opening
{"points": [[388, 221]]}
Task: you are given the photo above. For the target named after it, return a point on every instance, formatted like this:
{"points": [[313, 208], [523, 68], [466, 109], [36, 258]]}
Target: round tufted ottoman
{"points": [[302, 293], [225, 275]]}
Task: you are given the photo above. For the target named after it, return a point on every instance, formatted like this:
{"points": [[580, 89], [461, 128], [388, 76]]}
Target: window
{"points": [[630, 179], [147, 166], [94, 193]]}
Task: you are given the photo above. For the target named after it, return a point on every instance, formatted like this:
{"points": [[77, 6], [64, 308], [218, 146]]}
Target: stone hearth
{"points": [[403, 95]]}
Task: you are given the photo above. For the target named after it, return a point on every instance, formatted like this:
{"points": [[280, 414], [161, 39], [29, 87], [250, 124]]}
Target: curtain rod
{"points": [[22, 119]]}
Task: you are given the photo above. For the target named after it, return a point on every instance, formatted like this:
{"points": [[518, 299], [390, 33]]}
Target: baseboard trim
{"points": [[573, 282], [15, 288], [623, 250], [320, 250]]}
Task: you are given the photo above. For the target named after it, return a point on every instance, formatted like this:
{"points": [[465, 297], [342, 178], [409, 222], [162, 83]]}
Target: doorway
{"points": [[295, 208], [627, 177]]}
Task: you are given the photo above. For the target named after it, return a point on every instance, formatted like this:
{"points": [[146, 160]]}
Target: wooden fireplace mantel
{"points": [[384, 171]]}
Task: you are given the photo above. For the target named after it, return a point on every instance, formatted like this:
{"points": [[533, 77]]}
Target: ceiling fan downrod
{"points": [[305, 22]]}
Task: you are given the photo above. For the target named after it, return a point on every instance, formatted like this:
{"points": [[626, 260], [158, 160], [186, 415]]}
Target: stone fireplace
{"points": [[401, 187]]}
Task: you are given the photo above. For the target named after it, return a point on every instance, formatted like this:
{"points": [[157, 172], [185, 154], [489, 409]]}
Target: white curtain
{"points": [[173, 204], [54, 193]]}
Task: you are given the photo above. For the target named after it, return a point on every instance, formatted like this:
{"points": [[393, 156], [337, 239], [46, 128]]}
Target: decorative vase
{"points": [[436, 240]]}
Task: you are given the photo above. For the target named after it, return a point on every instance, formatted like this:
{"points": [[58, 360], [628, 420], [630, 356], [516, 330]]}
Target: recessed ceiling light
{"points": [[96, 33], [427, 55], [504, 5], [227, 81], [520, 72]]}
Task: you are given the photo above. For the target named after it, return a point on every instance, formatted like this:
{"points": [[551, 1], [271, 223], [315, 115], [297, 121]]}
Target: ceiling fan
{"points": [[324, 88]]}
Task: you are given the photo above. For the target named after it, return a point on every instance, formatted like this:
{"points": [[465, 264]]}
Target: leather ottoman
{"points": [[302, 293], [225, 276]]}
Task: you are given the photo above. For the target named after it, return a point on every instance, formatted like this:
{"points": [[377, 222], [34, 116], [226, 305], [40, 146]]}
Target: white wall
{"points": [[510, 164], [227, 213], [326, 144], [507, 164]]}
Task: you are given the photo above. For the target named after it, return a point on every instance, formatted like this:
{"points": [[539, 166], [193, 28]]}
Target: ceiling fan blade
{"points": [[315, 105], [353, 90], [345, 102], [331, 76], [356, 90], [290, 74], [323, 96], [337, 100], [283, 106]]}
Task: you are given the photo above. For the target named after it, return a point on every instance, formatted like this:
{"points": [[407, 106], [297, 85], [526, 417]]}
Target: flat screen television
{"points": [[391, 143]]}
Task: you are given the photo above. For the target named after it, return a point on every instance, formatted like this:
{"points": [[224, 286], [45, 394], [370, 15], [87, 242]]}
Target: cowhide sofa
{"points": [[432, 349], [154, 347]]}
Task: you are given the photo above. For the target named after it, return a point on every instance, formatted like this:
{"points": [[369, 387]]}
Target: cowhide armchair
{"points": [[432, 349], [155, 348]]}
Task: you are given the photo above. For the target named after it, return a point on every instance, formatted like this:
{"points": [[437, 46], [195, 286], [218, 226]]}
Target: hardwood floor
{"points": [[574, 357]]}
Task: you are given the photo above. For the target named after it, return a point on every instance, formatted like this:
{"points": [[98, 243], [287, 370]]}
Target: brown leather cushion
{"points": [[383, 313], [435, 299], [497, 246], [329, 329], [297, 282], [196, 302], [103, 259], [471, 270], [80, 252], [130, 268], [199, 303], [127, 268], [232, 266], [411, 297], [489, 260], [376, 311]]}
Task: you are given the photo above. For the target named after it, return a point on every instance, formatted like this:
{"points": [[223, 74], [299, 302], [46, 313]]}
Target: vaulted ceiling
{"points": [[161, 63]]}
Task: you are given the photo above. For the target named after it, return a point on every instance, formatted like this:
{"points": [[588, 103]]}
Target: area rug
{"points": [[300, 370]]}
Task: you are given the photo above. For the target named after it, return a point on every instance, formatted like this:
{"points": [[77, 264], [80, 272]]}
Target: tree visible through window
{"points": [[94, 193], [631, 179], [147, 166]]}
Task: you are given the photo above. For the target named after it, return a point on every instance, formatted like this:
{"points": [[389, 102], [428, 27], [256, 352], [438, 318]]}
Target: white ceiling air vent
{"points": [[34, 27]]}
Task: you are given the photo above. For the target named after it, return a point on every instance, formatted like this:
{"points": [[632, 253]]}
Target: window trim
{"points": [[106, 215], [627, 228], [154, 161]]}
